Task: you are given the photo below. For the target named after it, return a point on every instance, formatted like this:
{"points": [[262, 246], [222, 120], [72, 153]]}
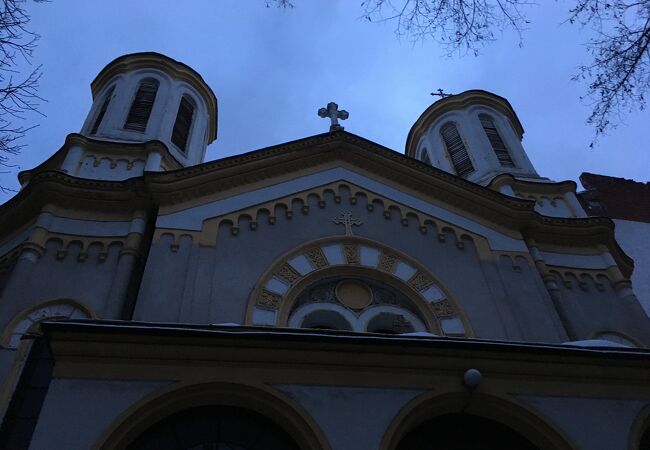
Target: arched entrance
{"points": [[213, 416], [463, 432], [460, 421], [215, 428]]}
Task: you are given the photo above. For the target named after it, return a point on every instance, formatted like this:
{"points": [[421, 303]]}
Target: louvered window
{"points": [[495, 140], [142, 105], [183, 124], [424, 156], [102, 110], [456, 149]]}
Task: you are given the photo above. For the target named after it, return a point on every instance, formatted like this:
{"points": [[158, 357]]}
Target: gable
{"points": [[377, 190]]}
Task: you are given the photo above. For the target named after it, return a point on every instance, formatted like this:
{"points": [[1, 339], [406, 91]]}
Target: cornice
{"points": [[460, 101], [553, 187], [176, 69], [102, 148], [92, 341], [341, 145], [64, 191], [156, 189]]}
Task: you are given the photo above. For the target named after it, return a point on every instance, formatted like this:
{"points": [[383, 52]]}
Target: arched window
{"points": [[424, 156], [142, 105], [183, 124], [102, 109], [355, 304], [497, 143], [215, 428], [464, 432], [326, 320], [389, 323], [456, 149]]}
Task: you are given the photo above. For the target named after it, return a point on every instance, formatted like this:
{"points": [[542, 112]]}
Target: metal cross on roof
{"points": [[332, 111], [440, 94]]}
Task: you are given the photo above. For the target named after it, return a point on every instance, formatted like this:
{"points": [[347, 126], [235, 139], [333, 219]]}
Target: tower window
{"points": [[102, 109], [456, 149], [142, 105], [495, 140], [183, 124]]}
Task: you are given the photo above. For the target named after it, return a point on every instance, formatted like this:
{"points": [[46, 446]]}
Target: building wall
{"points": [[634, 238], [199, 284]]}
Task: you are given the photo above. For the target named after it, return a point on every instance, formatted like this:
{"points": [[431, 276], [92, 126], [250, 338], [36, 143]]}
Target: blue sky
{"points": [[272, 69]]}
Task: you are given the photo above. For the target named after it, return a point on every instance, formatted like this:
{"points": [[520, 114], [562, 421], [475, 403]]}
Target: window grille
{"points": [[142, 105], [495, 140], [456, 149], [183, 124], [102, 110]]}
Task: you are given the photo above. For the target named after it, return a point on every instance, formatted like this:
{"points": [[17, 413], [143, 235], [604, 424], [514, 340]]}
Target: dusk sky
{"points": [[271, 70]]}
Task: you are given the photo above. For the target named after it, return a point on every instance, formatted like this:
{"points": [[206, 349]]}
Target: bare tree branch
{"points": [[458, 25], [618, 76], [18, 98], [619, 73]]}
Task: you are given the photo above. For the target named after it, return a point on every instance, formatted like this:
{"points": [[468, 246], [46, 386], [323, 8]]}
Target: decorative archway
{"points": [[51, 310], [509, 415], [269, 407], [215, 428], [24, 322], [352, 258], [461, 431]]}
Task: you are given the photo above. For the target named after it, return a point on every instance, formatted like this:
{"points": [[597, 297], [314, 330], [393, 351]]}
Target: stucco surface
{"points": [[48, 279], [200, 284], [593, 424], [351, 418], [634, 238], [76, 412]]}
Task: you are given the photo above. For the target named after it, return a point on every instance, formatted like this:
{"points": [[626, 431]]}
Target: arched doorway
{"points": [[215, 428], [463, 432]]}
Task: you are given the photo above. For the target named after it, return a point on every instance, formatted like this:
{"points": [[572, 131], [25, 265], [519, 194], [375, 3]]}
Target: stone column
{"points": [[554, 291], [71, 162], [115, 302], [153, 162]]}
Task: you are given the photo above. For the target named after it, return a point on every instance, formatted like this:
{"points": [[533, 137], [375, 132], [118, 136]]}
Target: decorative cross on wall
{"points": [[332, 111], [346, 218]]}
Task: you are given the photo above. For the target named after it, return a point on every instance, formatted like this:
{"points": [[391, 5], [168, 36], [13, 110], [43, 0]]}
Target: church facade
{"points": [[326, 293]]}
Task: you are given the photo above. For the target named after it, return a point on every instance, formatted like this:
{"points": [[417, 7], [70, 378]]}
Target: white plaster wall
{"points": [[553, 207], [104, 171], [162, 118], [634, 239], [484, 160]]}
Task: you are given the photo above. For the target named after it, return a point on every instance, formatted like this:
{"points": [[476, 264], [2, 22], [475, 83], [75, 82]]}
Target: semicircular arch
{"points": [[23, 321], [180, 396], [276, 291], [506, 411]]}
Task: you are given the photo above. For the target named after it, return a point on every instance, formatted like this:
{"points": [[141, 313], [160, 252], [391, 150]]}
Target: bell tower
{"points": [[476, 135], [149, 113]]}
